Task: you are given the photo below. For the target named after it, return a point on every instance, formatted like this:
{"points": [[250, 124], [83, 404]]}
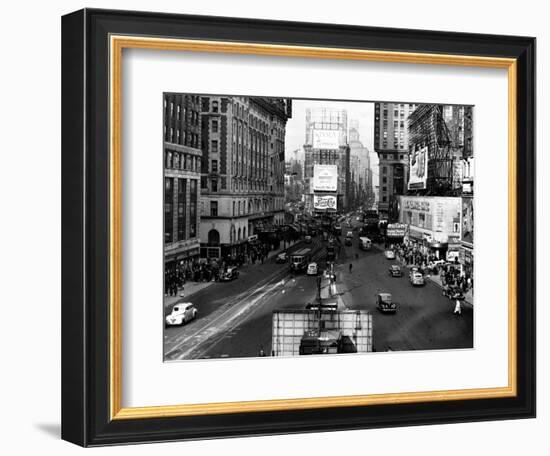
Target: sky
{"points": [[363, 112]]}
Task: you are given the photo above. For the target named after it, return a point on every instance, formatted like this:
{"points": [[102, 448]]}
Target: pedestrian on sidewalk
{"points": [[350, 267]]}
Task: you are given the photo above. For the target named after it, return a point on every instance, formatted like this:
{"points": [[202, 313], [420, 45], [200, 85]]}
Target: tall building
{"points": [[441, 135], [360, 167], [326, 144], [242, 181], [391, 143], [182, 162]]}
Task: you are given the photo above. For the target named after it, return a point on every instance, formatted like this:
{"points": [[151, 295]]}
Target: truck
{"points": [[365, 243], [299, 260]]}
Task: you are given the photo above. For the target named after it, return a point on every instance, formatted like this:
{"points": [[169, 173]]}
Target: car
{"points": [[337, 228], [416, 278], [308, 239], [349, 234], [395, 271], [389, 254], [348, 241], [281, 257], [230, 274], [181, 314], [312, 269], [385, 304]]}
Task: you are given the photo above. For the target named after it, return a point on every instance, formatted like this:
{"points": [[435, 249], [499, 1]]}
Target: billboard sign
{"points": [[326, 139], [418, 165], [395, 230], [325, 178], [324, 202]]}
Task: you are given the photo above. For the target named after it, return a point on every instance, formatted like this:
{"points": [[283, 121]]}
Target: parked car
{"points": [[181, 314], [308, 239], [312, 269], [231, 274], [385, 304], [282, 258], [395, 270], [389, 254], [416, 278]]}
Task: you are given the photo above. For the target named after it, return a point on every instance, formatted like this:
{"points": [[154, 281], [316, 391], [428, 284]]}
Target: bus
{"points": [[299, 260]]}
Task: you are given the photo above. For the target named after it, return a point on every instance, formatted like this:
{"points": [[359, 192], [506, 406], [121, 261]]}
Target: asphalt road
{"points": [[234, 318]]}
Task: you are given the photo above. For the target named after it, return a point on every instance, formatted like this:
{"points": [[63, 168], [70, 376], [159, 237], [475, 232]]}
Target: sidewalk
{"points": [[191, 288], [436, 279], [468, 296]]}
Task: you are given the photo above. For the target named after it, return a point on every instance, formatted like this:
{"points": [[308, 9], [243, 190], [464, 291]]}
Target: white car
{"points": [[181, 314], [312, 269], [416, 278], [389, 254]]}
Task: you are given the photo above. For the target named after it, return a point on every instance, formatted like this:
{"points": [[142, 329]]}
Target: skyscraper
{"points": [[326, 144], [391, 143]]}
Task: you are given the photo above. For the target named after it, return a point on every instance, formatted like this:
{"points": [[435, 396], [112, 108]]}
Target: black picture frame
{"points": [[86, 409]]}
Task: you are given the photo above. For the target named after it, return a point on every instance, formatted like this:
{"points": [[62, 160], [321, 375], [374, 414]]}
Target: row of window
{"points": [[180, 221], [181, 136], [182, 161], [240, 207]]}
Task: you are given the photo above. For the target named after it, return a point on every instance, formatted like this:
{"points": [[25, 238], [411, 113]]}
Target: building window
{"points": [[384, 180], [171, 108], [215, 166], [193, 208], [214, 126], [214, 208], [214, 185], [214, 106], [384, 199], [214, 147], [395, 124], [182, 205], [384, 170], [384, 189], [168, 209]]}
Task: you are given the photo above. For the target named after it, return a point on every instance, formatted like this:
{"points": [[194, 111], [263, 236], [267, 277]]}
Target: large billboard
{"points": [[325, 178], [418, 165], [326, 139], [324, 202]]}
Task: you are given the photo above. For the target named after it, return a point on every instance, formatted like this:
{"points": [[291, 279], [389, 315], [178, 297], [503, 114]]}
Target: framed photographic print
{"points": [[268, 227]]}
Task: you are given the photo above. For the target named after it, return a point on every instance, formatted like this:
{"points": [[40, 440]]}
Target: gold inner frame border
{"points": [[120, 42]]}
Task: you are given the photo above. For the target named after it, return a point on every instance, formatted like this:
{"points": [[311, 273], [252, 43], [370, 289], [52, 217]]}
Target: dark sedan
{"points": [[395, 271]]}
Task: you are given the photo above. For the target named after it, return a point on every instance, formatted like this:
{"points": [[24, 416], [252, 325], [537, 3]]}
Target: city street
{"points": [[235, 319]]}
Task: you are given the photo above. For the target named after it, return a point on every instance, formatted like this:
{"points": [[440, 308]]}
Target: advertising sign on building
{"points": [[324, 202], [326, 139], [325, 178], [395, 230], [418, 165], [467, 217]]}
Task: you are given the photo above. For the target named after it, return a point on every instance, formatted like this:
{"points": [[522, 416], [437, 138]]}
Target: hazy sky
{"points": [[361, 112]]}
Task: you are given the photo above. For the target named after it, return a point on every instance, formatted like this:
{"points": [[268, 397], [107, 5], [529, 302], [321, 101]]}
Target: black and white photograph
{"points": [[307, 227]]}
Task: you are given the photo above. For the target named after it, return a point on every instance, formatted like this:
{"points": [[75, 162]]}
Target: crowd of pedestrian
{"points": [[202, 270], [451, 274]]}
